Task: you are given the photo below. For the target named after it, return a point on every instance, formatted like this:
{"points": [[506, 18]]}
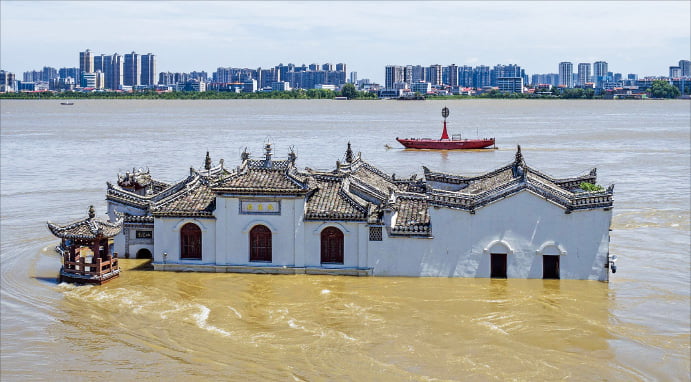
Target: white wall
{"points": [[524, 226], [232, 240], [167, 234], [520, 225], [351, 243]]}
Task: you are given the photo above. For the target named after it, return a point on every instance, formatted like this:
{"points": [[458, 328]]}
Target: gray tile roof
{"points": [[195, 199], [87, 229], [263, 177], [330, 200], [412, 215]]}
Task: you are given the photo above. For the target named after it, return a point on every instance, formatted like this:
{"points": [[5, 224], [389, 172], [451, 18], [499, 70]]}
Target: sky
{"points": [[642, 37]]}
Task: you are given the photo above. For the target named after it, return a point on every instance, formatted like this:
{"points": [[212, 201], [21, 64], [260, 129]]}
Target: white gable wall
{"points": [[232, 241], [520, 225]]}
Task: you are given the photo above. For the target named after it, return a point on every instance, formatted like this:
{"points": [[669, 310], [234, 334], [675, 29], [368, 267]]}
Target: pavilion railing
{"points": [[98, 267]]}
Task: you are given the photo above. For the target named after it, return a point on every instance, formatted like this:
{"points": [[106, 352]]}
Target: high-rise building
{"points": [[583, 73], [132, 71], [566, 74], [69, 72], [7, 82], [408, 74], [148, 73], [465, 76], [545, 79], [341, 67], [113, 74], [505, 71], [453, 75], [86, 62], [685, 66], [600, 73], [352, 78], [481, 76], [434, 76], [418, 74], [393, 74], [674, 71], [99, 62], [49, 73], [32, 76]]}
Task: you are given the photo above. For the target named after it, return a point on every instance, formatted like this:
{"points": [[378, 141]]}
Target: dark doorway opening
{"points": [[144, 254], [498, 265], [550, 267]]}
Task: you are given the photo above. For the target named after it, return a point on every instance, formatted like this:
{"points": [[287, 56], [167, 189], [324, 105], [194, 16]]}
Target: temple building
{"points": [[266, 216]]}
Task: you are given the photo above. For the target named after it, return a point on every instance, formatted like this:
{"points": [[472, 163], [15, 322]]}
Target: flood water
{"points": [[56, 160]]}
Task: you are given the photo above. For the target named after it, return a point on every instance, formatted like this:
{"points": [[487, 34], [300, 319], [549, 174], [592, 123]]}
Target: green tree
{"points": [[348, 90], [663, 89]]}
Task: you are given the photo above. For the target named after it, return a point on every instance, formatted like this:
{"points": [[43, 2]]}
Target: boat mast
{"points": [[444, 113]]}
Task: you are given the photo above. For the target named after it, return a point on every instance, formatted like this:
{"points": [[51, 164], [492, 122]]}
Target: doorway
{"points": [[498, 265], [550, 267], [144, 254]]}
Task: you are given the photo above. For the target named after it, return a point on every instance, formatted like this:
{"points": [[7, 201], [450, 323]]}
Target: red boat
{"points": [[444, 143]]}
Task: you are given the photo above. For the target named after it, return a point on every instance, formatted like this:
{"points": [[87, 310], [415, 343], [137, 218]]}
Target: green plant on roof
{"points": [[585, 186]]}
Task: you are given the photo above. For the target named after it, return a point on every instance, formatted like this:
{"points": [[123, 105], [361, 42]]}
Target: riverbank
{"points": [[292, 94]]}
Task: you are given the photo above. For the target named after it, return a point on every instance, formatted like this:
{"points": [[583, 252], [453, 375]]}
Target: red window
{"points": [[332, 246], [260, 243], [190, 242]]}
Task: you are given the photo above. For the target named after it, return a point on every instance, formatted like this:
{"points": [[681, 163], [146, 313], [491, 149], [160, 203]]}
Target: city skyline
{"points": [[203, 36]]}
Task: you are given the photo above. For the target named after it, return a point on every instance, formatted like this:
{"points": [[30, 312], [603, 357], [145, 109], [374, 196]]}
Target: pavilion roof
{"points": [[86, 229]]}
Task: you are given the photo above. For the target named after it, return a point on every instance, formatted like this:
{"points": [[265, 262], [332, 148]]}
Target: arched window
{"points": [[190, 242], [260, 243], [332, 245]]}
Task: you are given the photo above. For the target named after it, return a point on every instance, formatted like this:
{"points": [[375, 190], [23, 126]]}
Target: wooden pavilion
{"points": [[85, 250]]}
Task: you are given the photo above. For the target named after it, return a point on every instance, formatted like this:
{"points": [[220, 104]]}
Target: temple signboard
{"points": [[260, 207]]}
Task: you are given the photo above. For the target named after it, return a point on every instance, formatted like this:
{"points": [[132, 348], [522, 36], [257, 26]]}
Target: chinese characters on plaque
{"points": [[260, 207]]}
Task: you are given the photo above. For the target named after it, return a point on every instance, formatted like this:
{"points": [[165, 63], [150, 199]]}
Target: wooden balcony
{"points": [[89, 270]]}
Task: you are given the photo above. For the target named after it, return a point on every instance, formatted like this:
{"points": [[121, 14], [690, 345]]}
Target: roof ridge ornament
{"points": [[92, 213], [518, 165], [519, 156], [245, 155], [349, 154], [207, 161], [267, 155], [292, 157]]}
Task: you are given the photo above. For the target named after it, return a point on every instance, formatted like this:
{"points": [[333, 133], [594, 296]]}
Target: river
{"points": [[55, 161]]}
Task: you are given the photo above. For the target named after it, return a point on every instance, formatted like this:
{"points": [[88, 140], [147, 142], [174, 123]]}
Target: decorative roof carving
{"points": [[90, 228], [264, 176], [357, 191], [207, 161], [513, 178]]}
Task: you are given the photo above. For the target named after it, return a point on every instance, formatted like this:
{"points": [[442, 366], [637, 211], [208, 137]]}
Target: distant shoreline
{"points": [[293, 94]]}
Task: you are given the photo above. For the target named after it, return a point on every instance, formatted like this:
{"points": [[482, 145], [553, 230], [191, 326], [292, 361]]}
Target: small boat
{"points": [[445, 143], [67, 103]]}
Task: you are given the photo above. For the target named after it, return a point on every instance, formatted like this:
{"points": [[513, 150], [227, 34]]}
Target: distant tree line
{"points": [[658, 89], [150, 94]]}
